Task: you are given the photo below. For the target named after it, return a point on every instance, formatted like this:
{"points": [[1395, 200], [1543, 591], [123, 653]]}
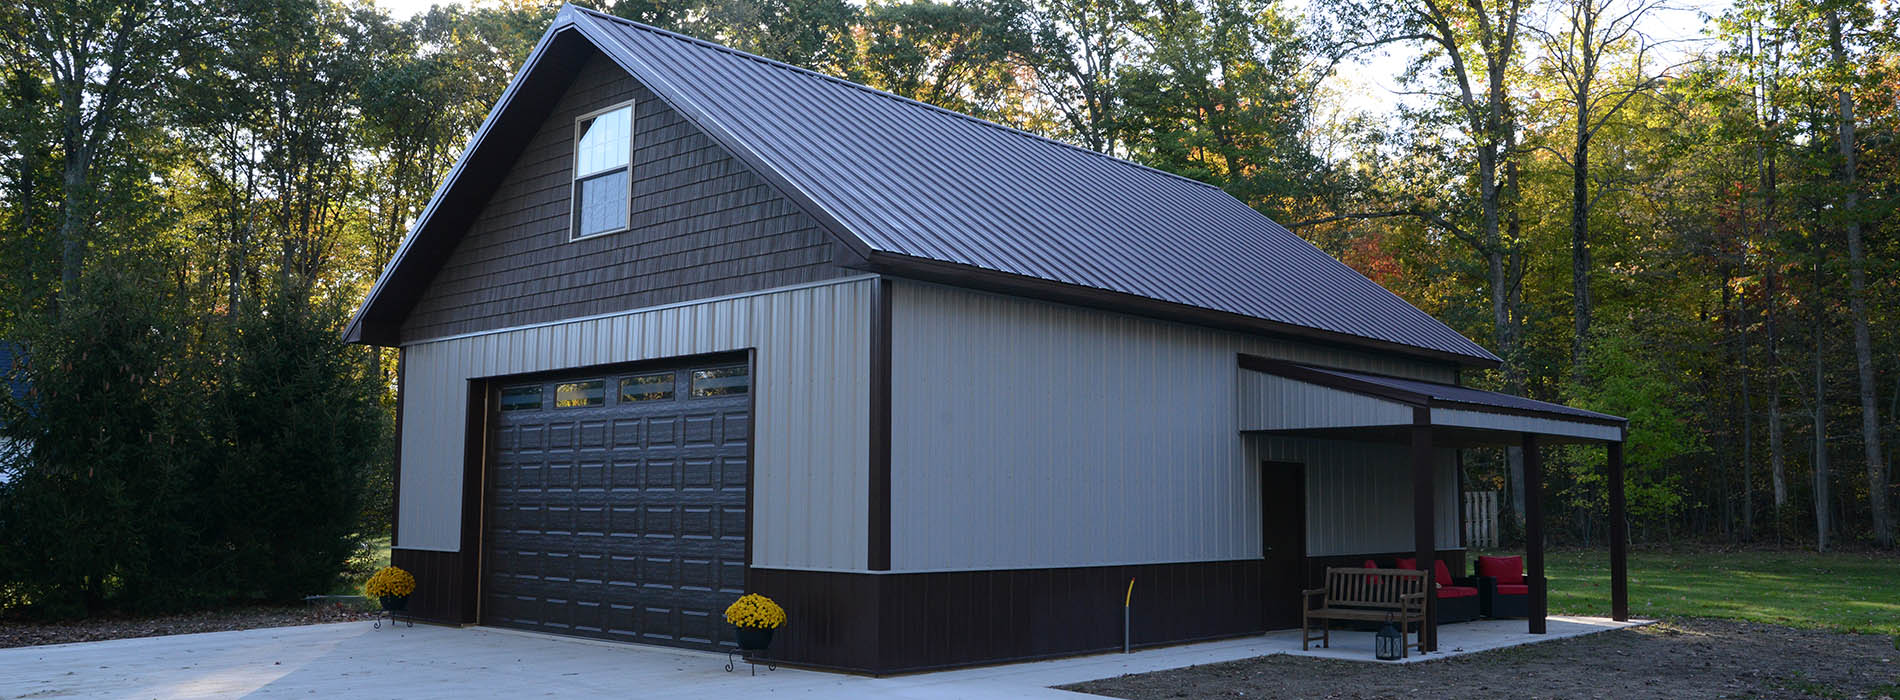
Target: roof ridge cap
{"points": [[881, 93]]}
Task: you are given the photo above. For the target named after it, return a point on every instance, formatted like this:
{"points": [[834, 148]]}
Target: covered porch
{"points": [[1282, 398]]}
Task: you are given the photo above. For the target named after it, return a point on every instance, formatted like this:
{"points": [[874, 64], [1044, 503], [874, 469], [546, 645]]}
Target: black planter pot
{"points": [[754, 639], [395, 603]]}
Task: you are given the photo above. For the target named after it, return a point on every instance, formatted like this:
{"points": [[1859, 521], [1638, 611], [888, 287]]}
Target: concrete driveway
{"points": [[352, 659]]}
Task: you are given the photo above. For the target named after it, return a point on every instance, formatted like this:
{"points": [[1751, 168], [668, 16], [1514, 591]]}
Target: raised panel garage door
{"points": [[617, 505]]}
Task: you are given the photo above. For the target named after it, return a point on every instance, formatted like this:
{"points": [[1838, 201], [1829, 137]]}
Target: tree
{"points": [[301, 415], [97, 512], [957, 55], [1220, 96], [101, 60], [1081, 50], [1842, 72], [1590, 35]]}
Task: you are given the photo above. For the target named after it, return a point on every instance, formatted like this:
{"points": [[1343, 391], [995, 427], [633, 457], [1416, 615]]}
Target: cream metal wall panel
{"points": [[1525, 424], [1268, 402], [1030, 434], [1359, 494], [811, 388]]}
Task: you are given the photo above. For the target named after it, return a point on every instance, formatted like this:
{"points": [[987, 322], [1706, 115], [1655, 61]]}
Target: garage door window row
{"points": [[710, 382]]}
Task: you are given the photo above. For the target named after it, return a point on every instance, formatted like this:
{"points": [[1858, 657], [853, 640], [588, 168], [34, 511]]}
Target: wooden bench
{"points": [[1365, 594]]}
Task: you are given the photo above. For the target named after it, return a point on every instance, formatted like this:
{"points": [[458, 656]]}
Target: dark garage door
{"points": [[617, 505]]}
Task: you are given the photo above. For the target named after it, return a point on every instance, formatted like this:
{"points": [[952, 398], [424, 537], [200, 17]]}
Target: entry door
{"points": [[1283, 541]]}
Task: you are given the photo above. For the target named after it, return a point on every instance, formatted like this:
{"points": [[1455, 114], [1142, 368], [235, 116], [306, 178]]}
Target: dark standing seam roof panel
{"points": [[891, 176], [1467, 395], [919, 181]]}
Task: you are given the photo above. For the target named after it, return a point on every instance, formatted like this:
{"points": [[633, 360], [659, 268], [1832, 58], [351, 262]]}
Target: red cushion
{"points": [[1442, 574], [1456, 592], [1505, 569], [1370, 564], [1513, 589]]}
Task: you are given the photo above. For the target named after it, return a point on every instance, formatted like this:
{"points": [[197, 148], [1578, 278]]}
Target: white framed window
{"points": [[603, 176]]}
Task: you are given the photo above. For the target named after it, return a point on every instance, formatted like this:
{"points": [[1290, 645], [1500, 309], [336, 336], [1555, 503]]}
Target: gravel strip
{"points": [[1682, 658], [24, 634]]}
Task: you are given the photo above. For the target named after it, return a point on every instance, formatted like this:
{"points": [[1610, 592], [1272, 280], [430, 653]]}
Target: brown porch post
{"points": [[1619, 538], [1534, 533], [1424, 534]]}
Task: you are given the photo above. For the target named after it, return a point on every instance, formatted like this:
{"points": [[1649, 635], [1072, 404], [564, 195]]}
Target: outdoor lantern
{"points": [[1390, 644]]}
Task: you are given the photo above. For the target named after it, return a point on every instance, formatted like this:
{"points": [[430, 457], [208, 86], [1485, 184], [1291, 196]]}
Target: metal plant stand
{"points": [[393, 617], [739, 654]]}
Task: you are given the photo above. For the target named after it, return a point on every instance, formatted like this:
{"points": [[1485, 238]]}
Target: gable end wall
{"points": [[704, 225]]}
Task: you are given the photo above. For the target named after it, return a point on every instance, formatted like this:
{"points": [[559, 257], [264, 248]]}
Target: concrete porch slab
{"points": [[442, 662]]}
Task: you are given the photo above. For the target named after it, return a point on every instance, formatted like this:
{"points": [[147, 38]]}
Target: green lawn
{"points": [[1846, 592], [374, 555]]}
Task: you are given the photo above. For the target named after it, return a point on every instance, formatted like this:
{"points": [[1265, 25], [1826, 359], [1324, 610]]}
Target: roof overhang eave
{"points": [[1470, 423]]}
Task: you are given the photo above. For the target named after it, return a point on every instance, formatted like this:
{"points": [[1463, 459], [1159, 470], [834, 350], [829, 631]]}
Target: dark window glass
{"points": [[521, 398], [601, 204], [647, 387], [722, 381], [578, 394]]}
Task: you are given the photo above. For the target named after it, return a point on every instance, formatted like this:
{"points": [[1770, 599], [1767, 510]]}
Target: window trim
{"points": [[574, 178]]}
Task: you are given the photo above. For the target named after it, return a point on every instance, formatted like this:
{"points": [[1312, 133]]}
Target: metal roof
{"points": [[899, 180], [1445, 393]]}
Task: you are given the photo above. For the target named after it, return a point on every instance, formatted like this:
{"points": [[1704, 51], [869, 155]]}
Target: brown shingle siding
{"points": [[704, 225]]}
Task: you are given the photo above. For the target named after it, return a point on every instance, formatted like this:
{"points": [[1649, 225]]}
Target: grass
{"points": [[373, 555], [1846, 592]]}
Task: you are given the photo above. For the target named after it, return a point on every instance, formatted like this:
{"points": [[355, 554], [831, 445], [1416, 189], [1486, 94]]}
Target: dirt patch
{"points": [[26, 634], [1676, 658]]}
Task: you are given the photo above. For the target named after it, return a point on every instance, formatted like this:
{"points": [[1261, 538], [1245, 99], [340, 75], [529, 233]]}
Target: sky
{"points": [[404, 9], [1370, 84]]}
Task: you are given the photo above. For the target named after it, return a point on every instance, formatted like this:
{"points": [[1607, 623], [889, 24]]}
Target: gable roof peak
{"points": [[577, 11]]}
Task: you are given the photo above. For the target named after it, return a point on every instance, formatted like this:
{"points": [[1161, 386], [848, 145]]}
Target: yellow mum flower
{"points": [[390, 581], [755, 611]]}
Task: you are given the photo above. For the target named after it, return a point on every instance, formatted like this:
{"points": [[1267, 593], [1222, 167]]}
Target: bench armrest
{"points": [[1313, 592]]}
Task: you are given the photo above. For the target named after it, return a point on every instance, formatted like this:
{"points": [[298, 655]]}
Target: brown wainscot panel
{"points": [[441, 589], [896, 623]]}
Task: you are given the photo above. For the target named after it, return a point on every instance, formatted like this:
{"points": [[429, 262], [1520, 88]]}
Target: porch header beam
{"points": [[1281, 396]]}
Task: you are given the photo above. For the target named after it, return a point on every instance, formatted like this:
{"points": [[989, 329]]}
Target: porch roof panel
{"points": [[1289, 398]]}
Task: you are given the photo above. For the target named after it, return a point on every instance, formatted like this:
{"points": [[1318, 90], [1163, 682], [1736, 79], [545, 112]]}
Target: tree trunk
{"points": [[1820, 432], [1748, 457], [1580, 195], [1857, 301], [1765, 168], [73, 214]]}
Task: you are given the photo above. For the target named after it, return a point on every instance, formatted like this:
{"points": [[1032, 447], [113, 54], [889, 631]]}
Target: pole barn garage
{"points": [[684, 323]]}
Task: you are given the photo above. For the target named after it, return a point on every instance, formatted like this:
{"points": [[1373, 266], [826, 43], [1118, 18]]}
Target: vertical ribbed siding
{"points": [[1027, 434], [1268, 402], [810, 383], [1359, 494]]}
